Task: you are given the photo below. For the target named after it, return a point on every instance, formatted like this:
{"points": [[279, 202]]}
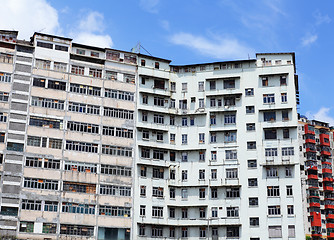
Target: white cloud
{"points": [[322, 115], [90, 31], [309, 39], [149, 5], [220, 48], [165, 25], [29, 16], [320, 18]]}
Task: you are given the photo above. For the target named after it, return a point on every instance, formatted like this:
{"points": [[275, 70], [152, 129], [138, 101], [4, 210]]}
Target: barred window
{"points": [[43, 64], [118, 132], [158, 118], [129, 78], [79, 187], [117, 94], [94, 72], [57, 85], [47, 103], [158, 192], [35, 205], [33, 162], [158, 173], [271, 152], [41, 183], [82, 127], [83, 108], [116, 150], [114, 211], [5, 77], [77, 70], [158, 154], [60, 67], [115, 170], [4, 96], [27, 227], [51, 163], [118, 113], [232, 192], [157, 211], [85, 89], [40, 162], [34, 141], [81, 146], [80, 167], [51, 206], [3, 117], [78, 208], [49, 228], [231, 154], [46, 122], [111, 75], [78, 230], [115, 190]]}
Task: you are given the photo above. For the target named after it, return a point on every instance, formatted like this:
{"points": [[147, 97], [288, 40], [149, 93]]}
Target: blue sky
{"points": [[196, 31]]}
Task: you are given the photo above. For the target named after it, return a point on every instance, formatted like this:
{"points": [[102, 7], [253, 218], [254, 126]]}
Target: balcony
{"points": [[314, 204], [329, 206], [324, 139], [330, 216], [316, 220], [309, 140], [327, 179], [309, 129], [327, 170], [325, 153], [312, 176], [330, 225], [330, 235], [328, 188]]}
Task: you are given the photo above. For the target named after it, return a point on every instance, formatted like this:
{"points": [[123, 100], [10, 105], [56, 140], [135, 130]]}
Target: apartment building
{"points": [[67, 137], [216, 150], [316, 149]]}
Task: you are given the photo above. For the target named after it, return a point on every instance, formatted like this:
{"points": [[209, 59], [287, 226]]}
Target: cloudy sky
{"points": [[196, 31]]}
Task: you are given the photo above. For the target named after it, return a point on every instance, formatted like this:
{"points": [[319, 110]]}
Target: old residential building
{"points": [[95, 142], [67, 125], [216, 150]]}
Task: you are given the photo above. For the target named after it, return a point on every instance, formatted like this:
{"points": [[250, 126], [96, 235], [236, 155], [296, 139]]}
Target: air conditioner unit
{"points": [[237, 98]]}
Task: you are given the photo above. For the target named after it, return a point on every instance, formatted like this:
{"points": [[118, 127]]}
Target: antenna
{"points": [[41, 30]]}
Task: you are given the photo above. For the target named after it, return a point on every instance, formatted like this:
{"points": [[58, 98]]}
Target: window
{"points": [[213, 174], [288, 151], [78, 208], [115, 190], [214, 232], [252, 163], [271, 152], [172, 120], [201, 193], [142, 210], [118, 113], [49, 228], [232, 212], [184, 232], [156, 65], [230, 136], [202, 232], [43, 64], [117, 94], [229, 118], [250, 126], [213, 137], [289, 191], [283, 80], [6, 58], [3, 117], [192, 121], [200, 86], [158, 173], [145, 152], [184, 194], [87, 147], [288, 171], [250, 109], [269, 116], [212, 85], [184, 175], [158, 119], [157, 231], [290, 209], [158, 192], [201, 103], [173, 86], [44, 184], [285, 115], [184, 87], [275, 231], [60, 67], [160, 136], [274, 210], [79, 70], [291, 231], [172, 193], [249, 91], [51, 206], [229, 84], [252, 182], [214, 212], [157, 211], [254, 221], [115, 170], [172, 138], [143, 191], [201, 137], [253, 201], [111, 75], [83, 108], [172, 103], [201, 174], [172, 156], [46, 122], [273, 191], [27, 227], [142, 230], [5, 77], [286, 133], [4, 96], [229, 101], [232, 231], [272, 172], [284, 97], [264, 81], [201, 155], [158, 154], [183, 104], [184, 139], [202, 212], [35, 205], [47, 103], [232, 173], [214, 193], [142, 62], [184, 121], [268, 98], [213, 156], [172, 212], [232, 192], [251, 145], [270, 134], [80, 230], [144, 116], [184, 157]]}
